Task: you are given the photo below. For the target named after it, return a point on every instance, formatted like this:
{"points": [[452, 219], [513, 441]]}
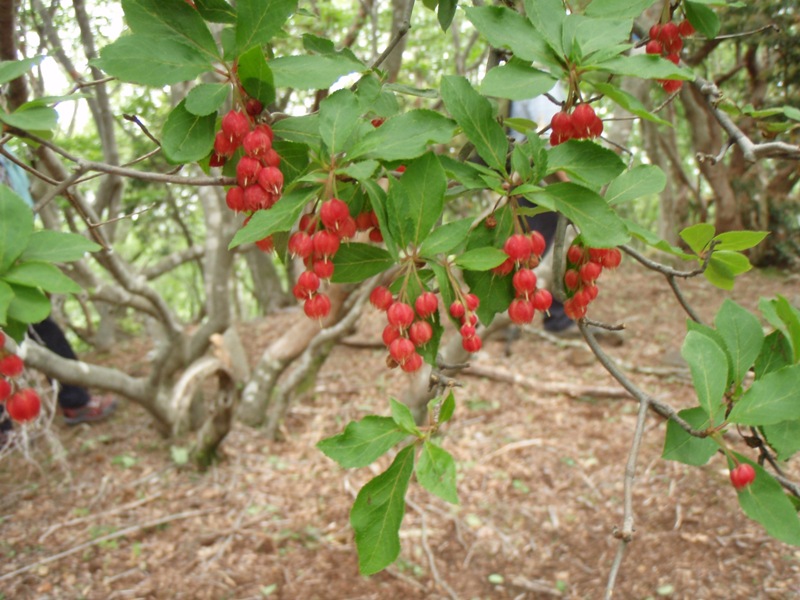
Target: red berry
{"points": [[257, 198], [390, 334], [504, 268], [400, 315], [582, 119], [538, 243], [375, 235], [266, 244], [364, 221], [685, 28], [377, 122], [271, 179], [307, 223], [518, 247], [24, 405], [596, 128], [256, 143], [674, 45], [457, 310], [400, 349], [668, 33], [253, 107], [472, 320], [333, 212], [655, 30], [521, 311], [347, 228], [300, 244], [581, 298], [612, 258], [426, 304], [266, 129], [472, 302], [326, 243], [5, 389], [561, 123], [591, 291], [317, 307], [420, 332], [11, 365], [542, 300], [216, 160], [524, 282], [742, 475], [234, 198], [412, 363], [673, 58], [223, 145], [381, 298], [575, 254], [574, 311], [309, 280], [323, 268], [572, 279], [472, 344], [467, 331], [271, 158], [654, 47], [671, 85], [235, 126], [247, 171], [590, 272]]}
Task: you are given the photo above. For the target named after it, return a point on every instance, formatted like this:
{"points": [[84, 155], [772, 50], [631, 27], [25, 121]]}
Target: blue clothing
{"points": [[16, 178]]}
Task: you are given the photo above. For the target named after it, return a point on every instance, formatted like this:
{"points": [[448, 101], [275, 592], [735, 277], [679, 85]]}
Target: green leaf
{"points": [[446, 12], [506, 28], [308, 72], [466, 173], [29, 305], [355, 262], [402, 416], [714, 335], [627, 101], [362, 442], [640, 181], [685, 448], [405, 136], [35, 118], [651, 239], [280, 217], [424, 184], [339, 116], [11, 69], [764, 501], [303, 129], [516, 80], [256, 76], [153, 60], [378, 512], [42, 275], [359, 171], [436, 472], [743, 336], [724, 266], [16, 226], [773, 398], [776, 353], [585, 161], [495, 293], [446, 238], [617, 9], [787, 319], [257, 21], [216, 11], [206, 98], [784, 438], [474, 114], [294, 159], [709, 367], [481, 259], [644, 66], [791, 112], [187, 137], [377, 198], [601, 36], [702, 18], [698, 236], [599, 225], [739, 240], [448, 408], [6, 296], [170, 19], [548, 17]]}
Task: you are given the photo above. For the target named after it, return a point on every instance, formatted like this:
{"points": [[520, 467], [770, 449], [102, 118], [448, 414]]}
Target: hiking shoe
{"points": [[97, 409]]}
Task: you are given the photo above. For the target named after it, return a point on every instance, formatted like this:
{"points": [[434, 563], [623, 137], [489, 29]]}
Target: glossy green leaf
{"points": [[709, 368], [702, 18], [360, 170], [216, 11], [585, 161], [389, 228], [362, 442], [714, 335], [57, 246], [206, 98], [339, 116], [256, 76], [681, 446], [743, 336], [151, 59], [516, 80], [446, 238], [280, 217], [6, 295], [257, 21], [784, 438], [448, 408], [11, 69], [402, 416], [627, 101], [436, 472], [35, 118], [638, 182], [424, 183], [446, 12], [644, 66], [724, 266], [294, 159], [16, 227], [494, 292], [739, 240], [548, 17], [599, 225], [773, 398], [355, 262], [43, 275], [474, 114], [615, 9], [765, 501], [308, 72], [698, 236], [405, 136], [784, 317], [187, 137], [29, 305], [170, 19], [378, 512], [776, 353], [303, 129], [481, 259], [597, 35]]}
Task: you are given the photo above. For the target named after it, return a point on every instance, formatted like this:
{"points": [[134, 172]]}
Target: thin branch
{"points": [[676, 290], [659, 267], [403, 29]]}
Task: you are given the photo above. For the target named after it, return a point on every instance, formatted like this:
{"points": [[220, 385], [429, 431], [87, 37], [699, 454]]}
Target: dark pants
{"points": [[50, 335]]}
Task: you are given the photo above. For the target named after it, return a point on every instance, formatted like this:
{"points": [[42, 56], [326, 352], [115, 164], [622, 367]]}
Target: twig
{"points": [[676, 290], [111, 536], [402, 30], [134, 119], [607, 326], [661, 268]]}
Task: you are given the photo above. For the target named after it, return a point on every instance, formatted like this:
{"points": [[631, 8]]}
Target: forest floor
{"points": [[106, 511]]}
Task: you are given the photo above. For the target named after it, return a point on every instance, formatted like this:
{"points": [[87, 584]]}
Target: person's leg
{"points": [[51, 336]]}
